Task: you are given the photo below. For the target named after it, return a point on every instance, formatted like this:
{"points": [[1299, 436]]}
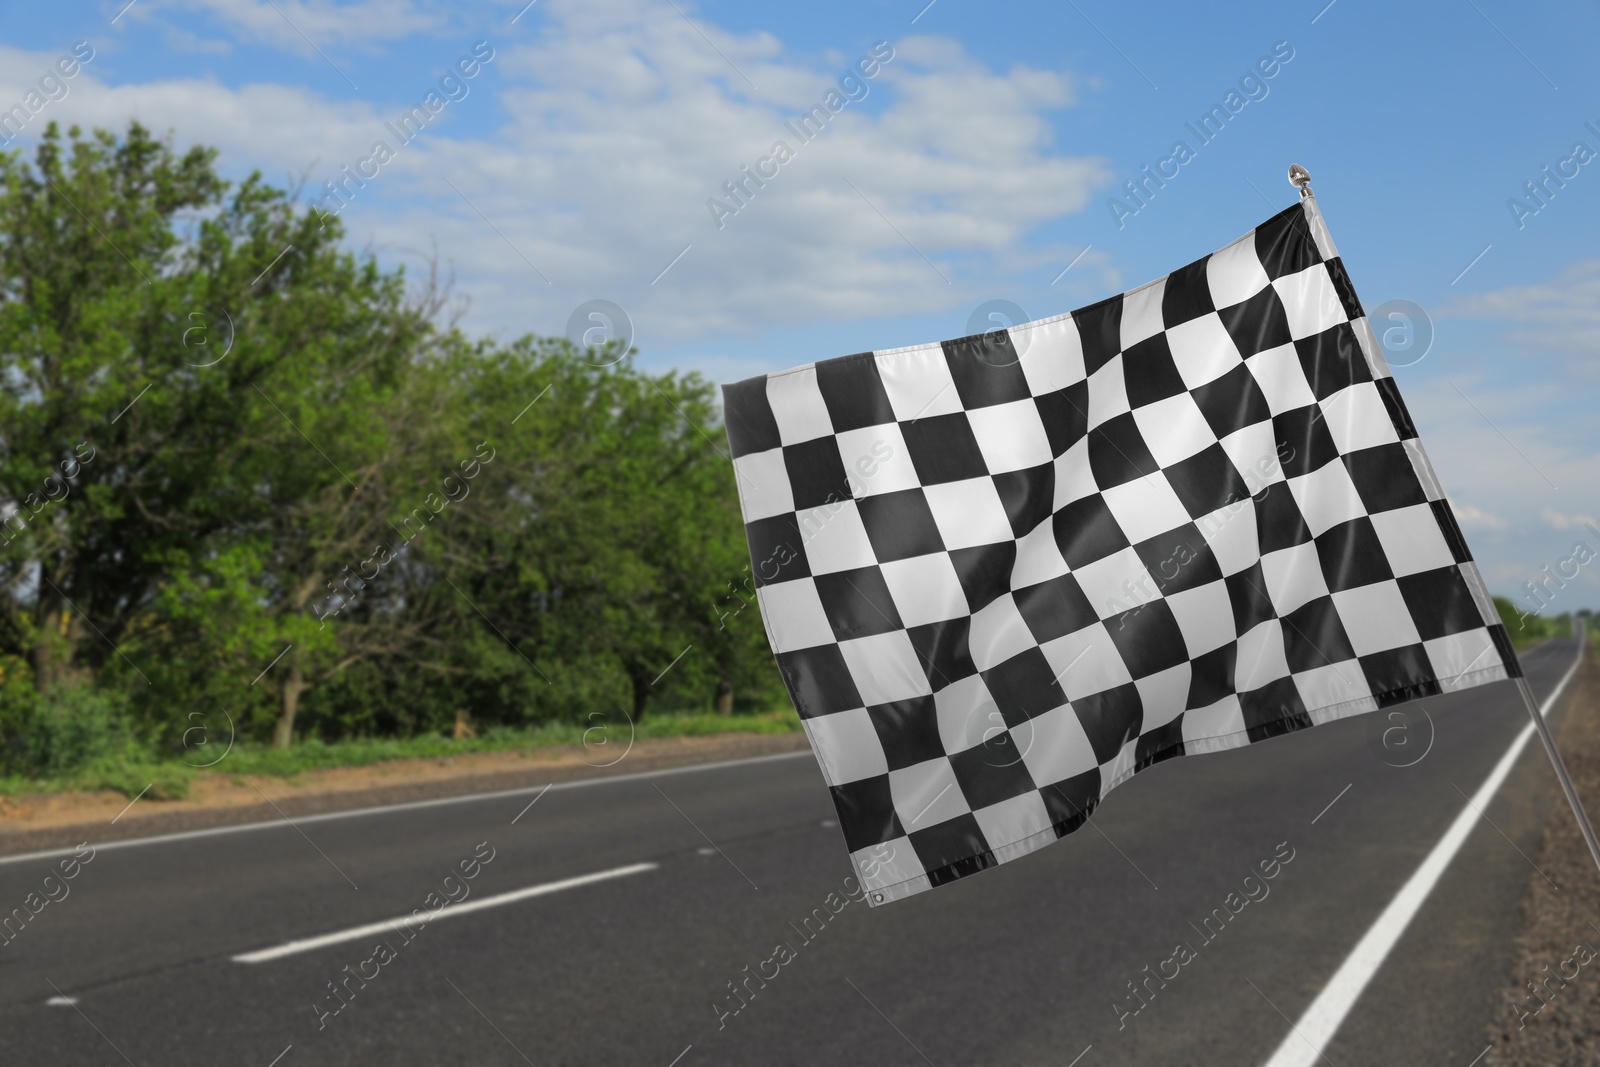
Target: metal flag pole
{"points": [[1300, 178], [1565, 779]]}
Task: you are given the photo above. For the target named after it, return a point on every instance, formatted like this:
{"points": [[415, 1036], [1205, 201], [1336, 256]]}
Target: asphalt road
{"points": [[1019, 965]]}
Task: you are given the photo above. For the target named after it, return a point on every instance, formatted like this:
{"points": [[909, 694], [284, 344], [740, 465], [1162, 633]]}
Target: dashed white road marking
{"points": [[449, 911]]}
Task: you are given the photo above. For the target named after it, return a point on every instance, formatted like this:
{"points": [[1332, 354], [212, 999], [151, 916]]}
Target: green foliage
{"points": [[246, 477], [1527, 628], [77, 737], [72, 726]]}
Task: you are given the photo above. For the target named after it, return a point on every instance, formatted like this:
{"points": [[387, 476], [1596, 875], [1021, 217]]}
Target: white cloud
{"points": [[277, 127], [603, 177], [187, 42], [1531, 452], [301, 26], [1513, 523], [1559, 316], [1568, 522], [1472, 518], [622, 120]]}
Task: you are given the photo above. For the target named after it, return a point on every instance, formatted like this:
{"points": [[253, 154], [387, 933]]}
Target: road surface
{"points": [[707, 870]]}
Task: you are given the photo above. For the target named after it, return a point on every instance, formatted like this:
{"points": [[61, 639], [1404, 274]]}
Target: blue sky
{"points": [[979, 163]]}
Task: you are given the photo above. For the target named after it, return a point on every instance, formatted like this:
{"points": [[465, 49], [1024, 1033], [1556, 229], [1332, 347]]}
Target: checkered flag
{"points": [[1004, 573]]}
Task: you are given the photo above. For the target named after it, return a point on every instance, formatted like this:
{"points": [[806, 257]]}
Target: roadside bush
{"points": [[69, 728], [76, 736], [17, 699]]}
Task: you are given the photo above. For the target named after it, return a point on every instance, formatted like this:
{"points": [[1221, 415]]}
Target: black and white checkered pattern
{"points": [[1004, 573]]}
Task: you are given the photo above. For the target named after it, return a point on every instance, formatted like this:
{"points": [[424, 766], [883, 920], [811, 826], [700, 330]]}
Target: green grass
{"points": [[125, 774], [171, 778], [604, 738]]}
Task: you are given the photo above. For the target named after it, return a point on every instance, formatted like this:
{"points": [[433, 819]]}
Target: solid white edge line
{"points": [[1304, 1044], [410, 805], [392, 926]]}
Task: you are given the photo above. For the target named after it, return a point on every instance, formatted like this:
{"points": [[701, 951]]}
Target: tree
{"points": [[174, 349], [87, 298], [608, 530], [241, 467]]}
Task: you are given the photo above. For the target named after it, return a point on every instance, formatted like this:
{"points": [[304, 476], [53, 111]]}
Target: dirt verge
{"points": [[218, 798], [1548, 1015]]}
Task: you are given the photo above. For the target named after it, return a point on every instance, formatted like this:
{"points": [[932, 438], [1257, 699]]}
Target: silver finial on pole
{"points": [[1300, 178]]}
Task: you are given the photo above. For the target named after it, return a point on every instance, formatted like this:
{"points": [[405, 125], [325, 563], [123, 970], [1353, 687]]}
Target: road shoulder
{"points": [[31, 823], [1559, 1021]]}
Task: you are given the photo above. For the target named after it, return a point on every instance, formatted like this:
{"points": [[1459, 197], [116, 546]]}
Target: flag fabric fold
{"points": [[1003, 574]]}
